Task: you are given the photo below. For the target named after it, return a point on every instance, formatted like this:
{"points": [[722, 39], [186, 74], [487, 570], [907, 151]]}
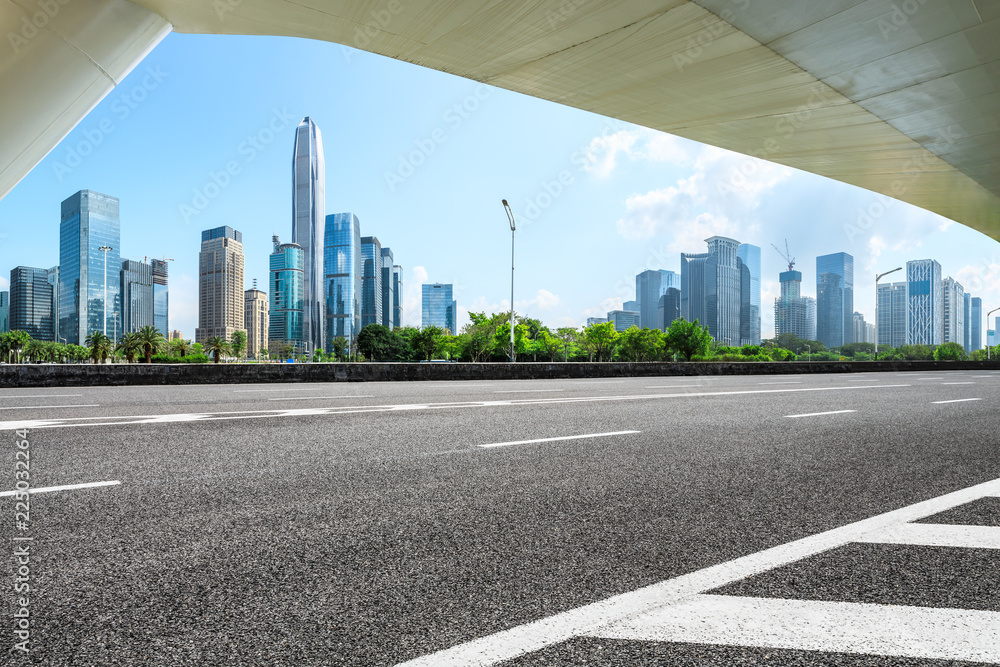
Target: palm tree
{"points": [[151, 340], [180, 346], [238, 343], [100, 346], [34, 350], [130, 345], [216, 346]]}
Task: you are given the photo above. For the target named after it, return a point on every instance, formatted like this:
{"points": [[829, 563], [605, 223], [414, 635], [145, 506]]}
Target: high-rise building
{"points": [[32, 306], [4, 312], [693, 287], [976, 323], [388, 304], [711, 290], [967, 334], [631, 306], [924, 303], [649, 287], [285, 298], [790, 315], [861, 329], [810, 317], [591, 321], [624, 319], [397, 296], [835, 299], [891, 305], [220, 284], [136, 285], [308, 220], [954, 311], [176, 335], [439, 307], [255, 321], [749, 255], [371, 281], [669, 309], [343, 266], [88, 277], [161, 296], [53, 278]]}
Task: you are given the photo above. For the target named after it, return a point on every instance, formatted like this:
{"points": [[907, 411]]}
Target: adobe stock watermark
{"points": [[655, 261], [223, 7], [899, 17], [710, 31], [425, 147], [247, 151], [30, 26], [121, 108], [377, 21], [22, 542]]}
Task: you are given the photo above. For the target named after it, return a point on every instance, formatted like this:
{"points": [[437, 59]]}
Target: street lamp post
{"points": [[878, 278], [510, 218], [988, 328], [809, 353], [105, 249]]}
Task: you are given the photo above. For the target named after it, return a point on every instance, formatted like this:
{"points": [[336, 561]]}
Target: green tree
{"points": [[100, 346], [427, 341], [152, 341], [375, 342], [216, 346], [600, 340], [339, 347], [570, 337], [635, 344], [130, 345], [950, 352], [12, 343], [478, 336], [34, 350], [687, 339], [548, 344], [501, 339], [238, 343], [180, 347]]}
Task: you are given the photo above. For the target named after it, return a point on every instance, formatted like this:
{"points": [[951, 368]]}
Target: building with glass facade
{"points": [[255, 321], [220, 284], [4, 312], [953, 294], [342, 270], [161, 296], [810, 317], [308, 220], [790, 314], [711, 290], [968, 323], [749, 255], [835, 299], [439, 307], [371, 281], [631, 306], [693, 287], [397, 296], [891, 305], [591, 321], [32, 303], [388, 303], [136, 288], [669, 308], [624, 319], [285, 298], [924, 303], [977, 323], [88, 277]]}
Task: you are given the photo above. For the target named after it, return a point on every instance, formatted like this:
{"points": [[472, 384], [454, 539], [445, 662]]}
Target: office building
{"points": [[32, 306], [439, 307], [220, 284], [967, 334], [624, 319], [371, 281], [53, 278], [810, 317], [669, 308], [790, 310], [161, 296], [749, 257], [308, 232], [136, 289], [835, 299], [712, 293], [255, 321], [285, 298], [343, 266], [924, 303], [397, 296], [891, 305], [176, 335], [88, 277], [632, 306], [4, 312], [388, 295], [976, 323], [862, 331], [591, 321], [954, 311]]}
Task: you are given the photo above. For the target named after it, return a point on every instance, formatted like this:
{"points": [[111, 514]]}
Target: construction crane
{"points": [[787, 255]]}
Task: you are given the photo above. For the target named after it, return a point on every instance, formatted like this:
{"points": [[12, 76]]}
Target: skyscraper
{"points": [[717, 290], [835, 299], [649, 287], [976, 322], [32, 307], [749, 255], [371, 281], [693, 287], [790, 316], [161, 296], [4, 312], [285, 298], [87, 302], [967, 334], [924, 303], [397, 296], [631, 306], [388, 305], [255, 321], [220, 284], [308, 219], [624, 319], [810, 317], [439, 308], [891, 327], [954, 311], [137, 295], [669, 308], [342, 269]]}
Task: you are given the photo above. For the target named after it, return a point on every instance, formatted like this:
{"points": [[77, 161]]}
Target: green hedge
{"points": [[187, 359]]}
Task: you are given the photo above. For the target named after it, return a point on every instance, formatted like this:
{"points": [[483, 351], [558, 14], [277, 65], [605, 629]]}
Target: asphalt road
{"points": [[376, 523]]}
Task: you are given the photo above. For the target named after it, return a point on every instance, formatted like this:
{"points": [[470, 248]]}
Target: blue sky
{"points": [[200, 135]]}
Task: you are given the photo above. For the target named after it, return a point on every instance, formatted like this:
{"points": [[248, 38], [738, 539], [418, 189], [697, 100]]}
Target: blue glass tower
{"points": [[977, 323], [308, 218], [649, 287], [137, 295], [835, 299], [397, 296], [388, 304], [286, 297], [32, 307], [371, 281], [342, 268], [924, 303], [4, 312], [439, 308], [161, 297], [749, 255]]}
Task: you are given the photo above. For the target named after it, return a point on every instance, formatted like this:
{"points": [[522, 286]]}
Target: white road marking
{"points": [[43, 396], [316, 398], [672, 386], [958, 383], [957, 400], [255, 391], [565, 437], [42, 407], [598, 617], [356, 409], [791, 382], [937, 535], [523, 391], [819, 414], [837, 627], [66, 487]]}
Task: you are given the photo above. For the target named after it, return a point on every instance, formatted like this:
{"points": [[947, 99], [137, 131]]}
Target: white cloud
{"points": [[4, 284], [412, 307], [982, 280], [543, 300], [637, 144]]}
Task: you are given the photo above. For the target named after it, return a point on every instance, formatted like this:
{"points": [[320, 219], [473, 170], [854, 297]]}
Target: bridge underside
{"points": [[901, 98]]}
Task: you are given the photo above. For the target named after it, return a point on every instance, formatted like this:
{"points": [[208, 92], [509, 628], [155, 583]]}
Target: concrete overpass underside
{"points": [[901, 97]]}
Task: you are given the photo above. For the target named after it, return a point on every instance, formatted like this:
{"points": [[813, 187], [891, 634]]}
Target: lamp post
{"points": [[510, 218], [988, 328], [105, 249], [809, 353], [878, 278]]}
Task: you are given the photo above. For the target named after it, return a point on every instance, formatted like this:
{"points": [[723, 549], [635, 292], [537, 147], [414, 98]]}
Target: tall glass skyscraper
{"points": [[161, 297], [977, 323], [967, 334], [924, 303], [693, 288], [397, 296], [285, 298], [722, 290], [308, 218], [439, 308], [891, 329], [89, 221], [388, 304], [649, 287], [4, 312], [669, 308], [342, 269], [835, 299], [954, 311], [749, 255], [371, 281], [32, 308], [137, 295]]}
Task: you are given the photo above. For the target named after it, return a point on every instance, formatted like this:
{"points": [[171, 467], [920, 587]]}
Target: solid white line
{"points": [[537, 635], [943, 383], [565, 437], [957, 400], [254, 391], [834, 627], [43, 396], [818, 414], [316, 398], [673, 386], [40, 407], [66, 487], [524, 391], [937, 535], [793, 382]]}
